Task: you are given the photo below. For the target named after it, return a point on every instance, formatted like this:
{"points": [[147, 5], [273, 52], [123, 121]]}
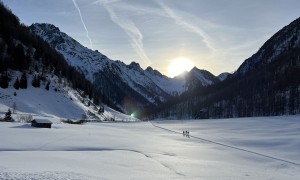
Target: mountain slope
{"points": [[58, 103], [78, 56], [266, 84], [120, 82], [36, 80], [286, 39], [199, 78], [223, 76]]}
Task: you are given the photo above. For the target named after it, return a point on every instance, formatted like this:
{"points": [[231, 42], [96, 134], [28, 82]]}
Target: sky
{"points": [[168, 35]]}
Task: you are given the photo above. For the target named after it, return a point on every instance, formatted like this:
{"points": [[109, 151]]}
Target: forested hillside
{"points": [[22, 51], [266, 84]]}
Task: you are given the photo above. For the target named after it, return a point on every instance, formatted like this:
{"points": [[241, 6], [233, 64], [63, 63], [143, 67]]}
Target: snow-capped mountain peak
{"points": [[85, 60], [205, 77], [136, 66], [116, 79], [285, 39], [223, 76]]}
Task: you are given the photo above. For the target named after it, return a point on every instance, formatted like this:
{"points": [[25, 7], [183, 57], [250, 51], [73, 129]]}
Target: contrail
{"points": [[181, 21], [87, 32], [130, 28]]}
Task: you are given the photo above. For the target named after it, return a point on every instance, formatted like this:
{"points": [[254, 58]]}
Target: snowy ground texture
{"points": [[246, 148], [65, 103]]}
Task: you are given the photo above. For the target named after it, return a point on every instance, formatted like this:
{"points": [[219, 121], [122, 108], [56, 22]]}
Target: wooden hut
{"points": [[41, 123]]}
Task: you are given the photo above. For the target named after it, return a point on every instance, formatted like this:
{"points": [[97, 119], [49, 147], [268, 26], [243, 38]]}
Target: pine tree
{"points": [[17, 84], [4, 79], [19, 58], [101, 110], [8, 116], [23, 81], [36, 81], [47, 87], [14, 107]]}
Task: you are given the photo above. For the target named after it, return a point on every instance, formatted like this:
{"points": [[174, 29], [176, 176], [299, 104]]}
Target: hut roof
{"points": [[44, 121]]}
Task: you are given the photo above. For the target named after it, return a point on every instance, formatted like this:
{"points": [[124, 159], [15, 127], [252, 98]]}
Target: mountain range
{"points": [[267, 83], [129, 86]]}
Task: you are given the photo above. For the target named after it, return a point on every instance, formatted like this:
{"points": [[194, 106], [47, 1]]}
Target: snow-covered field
{"points": [[245, 148]]}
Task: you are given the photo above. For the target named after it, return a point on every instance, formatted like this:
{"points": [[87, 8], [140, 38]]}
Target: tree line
{"points": [[266, 90], [22, 51]]}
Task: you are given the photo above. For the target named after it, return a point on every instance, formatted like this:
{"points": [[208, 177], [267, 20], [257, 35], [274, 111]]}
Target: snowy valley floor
{"points": [[260, 148]]}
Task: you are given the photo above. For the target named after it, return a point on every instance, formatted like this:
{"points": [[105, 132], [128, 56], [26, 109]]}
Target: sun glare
{"points": [[179, 65]]}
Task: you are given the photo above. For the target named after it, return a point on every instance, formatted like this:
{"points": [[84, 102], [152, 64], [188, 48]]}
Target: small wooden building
{"points": [[41, 123]]}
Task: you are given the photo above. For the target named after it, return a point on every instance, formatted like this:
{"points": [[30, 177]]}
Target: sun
{"points": [[179, 65]]}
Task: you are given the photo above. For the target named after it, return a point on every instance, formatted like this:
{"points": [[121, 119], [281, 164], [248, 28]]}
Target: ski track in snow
{"points": [[98, 150], [138, 147], [229, 146]]}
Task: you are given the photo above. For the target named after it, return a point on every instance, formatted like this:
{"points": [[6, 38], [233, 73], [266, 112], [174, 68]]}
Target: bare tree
{"points": [[14, 107], [25, 118]]}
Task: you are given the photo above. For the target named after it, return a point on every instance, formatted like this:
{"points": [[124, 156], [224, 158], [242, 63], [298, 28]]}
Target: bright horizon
{"points": [[215, 36]]}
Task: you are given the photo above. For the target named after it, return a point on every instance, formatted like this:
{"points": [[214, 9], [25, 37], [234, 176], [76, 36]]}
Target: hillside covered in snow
{"points": [[266, 84], [146, 88], [58, 103], [36, 81]]}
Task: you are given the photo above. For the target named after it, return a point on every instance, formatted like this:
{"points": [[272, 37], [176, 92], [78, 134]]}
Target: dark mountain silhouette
{"points": [[266, 84]]}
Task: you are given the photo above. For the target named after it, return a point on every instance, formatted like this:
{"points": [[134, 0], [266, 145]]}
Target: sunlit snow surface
{"points": [[140, 150]]}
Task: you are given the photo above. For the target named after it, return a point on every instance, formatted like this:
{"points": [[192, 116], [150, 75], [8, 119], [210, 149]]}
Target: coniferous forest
{"points": [[22, 51], [266, 84]]}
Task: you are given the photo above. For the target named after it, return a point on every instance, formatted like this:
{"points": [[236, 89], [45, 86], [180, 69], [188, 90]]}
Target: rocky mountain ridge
{"points": [[117, 80]]}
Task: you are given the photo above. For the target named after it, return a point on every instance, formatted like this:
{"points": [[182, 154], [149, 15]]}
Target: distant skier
{"points": [[186, 133]]}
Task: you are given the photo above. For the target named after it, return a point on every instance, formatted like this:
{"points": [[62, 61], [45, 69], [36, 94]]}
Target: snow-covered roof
{"points": [[42, 121]]}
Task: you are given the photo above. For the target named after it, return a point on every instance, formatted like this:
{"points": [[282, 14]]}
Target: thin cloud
{"points": [[135, 35], [82, 21], [191, 27], [105, 1]]}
